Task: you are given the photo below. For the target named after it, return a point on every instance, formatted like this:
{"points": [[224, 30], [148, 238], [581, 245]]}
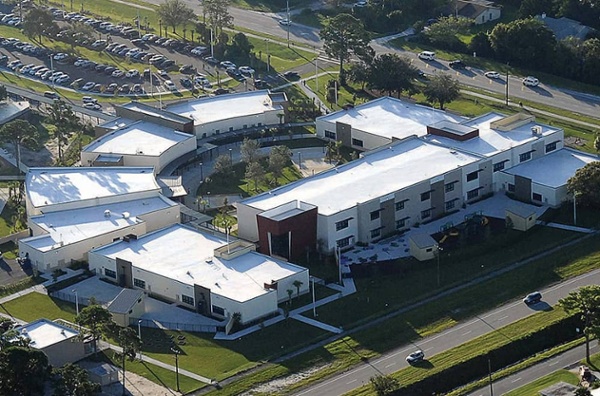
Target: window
{"points": [[343, 242], [450, 205], [217, 131], [374, 215], [537, 197], [340, 225], [187, 299], [218, 310], [525, 157], [376, 233], [511, 187], [550, 147], [259, 124], [449, 187], [400, 205], [245, 126], [357, 142], [425, 214], [473, 194], [230, 129], [425, 196], [139, 283], [472, 176], [329, 134], [110, 273], [499, 166], [400, 223]]}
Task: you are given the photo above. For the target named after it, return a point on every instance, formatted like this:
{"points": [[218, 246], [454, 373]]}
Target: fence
{"points": [[14, 237], [156, 324], [69, 297]]}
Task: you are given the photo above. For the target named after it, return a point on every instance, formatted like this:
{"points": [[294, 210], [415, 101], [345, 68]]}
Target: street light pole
{"points": [[490, 376], [312, 278], [140, 335], [574, 208], [201, 172], [268, 57], [287, 6], [439, 252], [176, 352], [231, 155], [76, 302], [507, 84]]}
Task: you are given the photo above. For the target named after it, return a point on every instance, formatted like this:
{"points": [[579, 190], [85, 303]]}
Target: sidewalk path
{"points": [[318, 324], [567, 227]]}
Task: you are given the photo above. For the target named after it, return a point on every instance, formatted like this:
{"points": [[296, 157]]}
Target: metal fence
{"points": [[69, 297], [156, 324]]}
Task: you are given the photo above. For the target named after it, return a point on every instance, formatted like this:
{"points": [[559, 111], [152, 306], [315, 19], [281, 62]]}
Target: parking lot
{"points": [[136, 62]]}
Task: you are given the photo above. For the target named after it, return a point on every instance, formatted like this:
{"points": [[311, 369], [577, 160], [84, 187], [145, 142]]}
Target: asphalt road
{"points": [[455, 336], [566, 360], [267, 23]]}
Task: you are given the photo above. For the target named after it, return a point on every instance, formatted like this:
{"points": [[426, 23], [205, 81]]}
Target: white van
{"points": [[427, 55]]}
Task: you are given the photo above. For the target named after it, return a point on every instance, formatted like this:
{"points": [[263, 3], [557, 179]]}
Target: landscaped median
{"points": [[502, 347]]}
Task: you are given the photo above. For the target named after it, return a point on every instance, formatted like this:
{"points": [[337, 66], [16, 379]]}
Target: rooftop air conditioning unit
{"points": [[125, 215], [209, 260], [107, 213]]}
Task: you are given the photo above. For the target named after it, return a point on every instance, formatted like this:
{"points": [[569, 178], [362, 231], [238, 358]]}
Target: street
{"points": [[453, 337]]}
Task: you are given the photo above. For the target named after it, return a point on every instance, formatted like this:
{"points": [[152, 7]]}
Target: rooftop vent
{"points": [[126, 215], [536, 130], [107, 213], [209, 260]]}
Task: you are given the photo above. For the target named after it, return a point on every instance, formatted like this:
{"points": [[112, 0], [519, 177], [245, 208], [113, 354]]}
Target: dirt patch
{"points": [[280, 384]]}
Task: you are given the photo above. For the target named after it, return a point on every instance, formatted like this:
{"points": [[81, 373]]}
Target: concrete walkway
{"points": [[567, 227], [318, 324]]}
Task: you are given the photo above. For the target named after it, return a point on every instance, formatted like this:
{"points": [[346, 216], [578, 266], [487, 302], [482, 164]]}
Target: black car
{"points": [[186, 82], [456, 64], [167, 63], [187, 69], [109, 69], [533, 298], [220, 91], [3, 59], [100, 68], [291, 74]]}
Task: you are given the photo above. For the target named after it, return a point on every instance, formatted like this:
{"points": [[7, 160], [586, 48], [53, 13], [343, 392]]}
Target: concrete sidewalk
{"points": [[567, 227], [318, 324]]}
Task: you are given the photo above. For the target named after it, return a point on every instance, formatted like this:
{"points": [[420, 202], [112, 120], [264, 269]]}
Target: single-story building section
{"points": [[60, 343], [139, 111], [58, 189], [385, 191], [222, 113], [202, 272], [60, 237], [129, 304], [380, 122], [140, 143], [544, 180], [422, 246], [520, 218]]}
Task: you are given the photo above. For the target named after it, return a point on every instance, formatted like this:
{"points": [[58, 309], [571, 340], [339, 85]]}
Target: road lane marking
{"points": [[390, 365], [515, 380], [468, 332], [553, 363], [502, 318], [349, 382]]}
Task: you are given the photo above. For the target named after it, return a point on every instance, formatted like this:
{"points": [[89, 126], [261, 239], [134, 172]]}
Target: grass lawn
{"points": [[34, 306], [542, 383], [159, 375]]}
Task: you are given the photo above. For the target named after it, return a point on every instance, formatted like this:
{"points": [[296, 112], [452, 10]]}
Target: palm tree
{"points": [[297, 285], [18, 132]]}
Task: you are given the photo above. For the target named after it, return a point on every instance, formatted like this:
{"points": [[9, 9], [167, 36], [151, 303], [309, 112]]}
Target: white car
{"points": [[60, 56], [88, 99], [170, 85], [80, 62], [360, 4], [415, 357], [92, 106], [118, 73], [427, 55], [492, 74], [285, 22], [531, 81], [149, 37], [132, 73], [98, 43], [88, 85], [246, 70]]}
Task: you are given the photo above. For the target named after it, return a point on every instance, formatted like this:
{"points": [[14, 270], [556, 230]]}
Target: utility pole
{"points": [[287, 6], [507, 84], [490, 376]]}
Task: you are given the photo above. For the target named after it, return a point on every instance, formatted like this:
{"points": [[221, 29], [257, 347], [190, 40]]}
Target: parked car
{"points": [[133, 73], [92, 106], [170, 85], [227, 65], [530, 81], [51, 95], [211, 60], [88, 86], [88, 99], [247, 70], [415, 357], [290, 75], [285, 22], [427, 55], [112, 87], [186, 82], [187, 69], [456, 64], [533, 298], [492, 74], [118, 73]]}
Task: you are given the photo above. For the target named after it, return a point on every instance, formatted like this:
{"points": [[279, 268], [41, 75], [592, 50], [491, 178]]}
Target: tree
{"points": [[23, 371], [249, 150], [218, 14], [290, 293], [18, 132], [65, 122], [442, 88], [582, 391], [392, 73], [527, 42], [585, 301], [240, 46], [586, 184], [359, 73], [224, 221], [279, 158], [343, 36], [72, 380], [3, 93], [223, 165], [332, 153], [94, 320], [297, 285], [597, 142], [174, 13], [256, 173], [37, 22], [127, 338], [384, 384], [445, 31]]}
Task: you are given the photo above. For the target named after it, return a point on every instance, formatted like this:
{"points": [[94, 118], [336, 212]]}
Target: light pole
{"points": [[574, 208], [439, 252], [300, 159], [231, 155], [507, 84], [201, 172], [490, 376], [312, 278], [287, 6], [176, 352], [140, 335], [76, 302], [160, 27], [268, 57]]}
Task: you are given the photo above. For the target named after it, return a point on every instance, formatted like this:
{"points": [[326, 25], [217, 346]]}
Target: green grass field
{"points": [[535, 387]]}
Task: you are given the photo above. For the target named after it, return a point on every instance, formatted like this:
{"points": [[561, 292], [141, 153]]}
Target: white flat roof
{"points": [[224, 107], [376, 174], [44, 333], [390, 117], [185, 260], [72, 226], [140, 138], [554, 169], [493, 141], [51, 186]]}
